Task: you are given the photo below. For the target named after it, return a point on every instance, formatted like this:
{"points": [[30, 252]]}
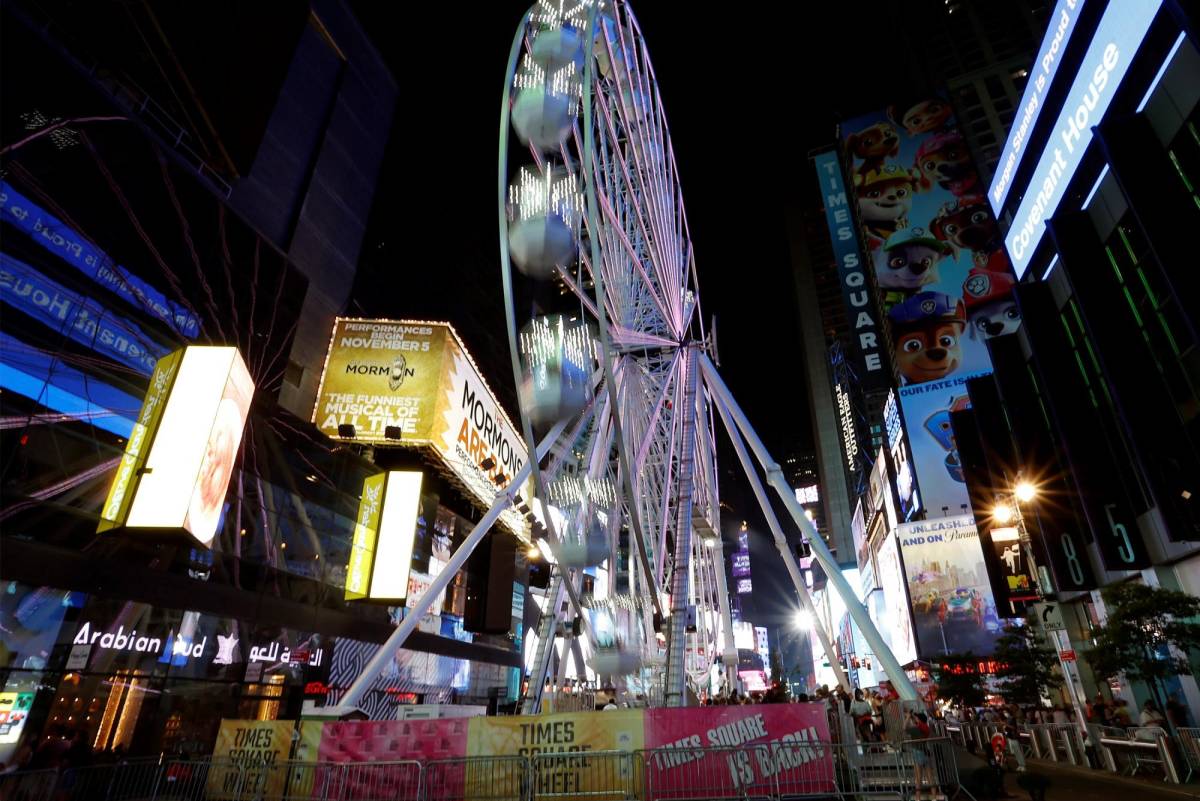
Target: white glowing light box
{"points": [[384, 534], [179, 458]]}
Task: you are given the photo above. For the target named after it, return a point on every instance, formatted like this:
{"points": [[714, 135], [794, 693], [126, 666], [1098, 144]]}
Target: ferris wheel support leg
{"points": [[729, 654], [789, 558], [675, 694], [546, 628], [820, 550], [349, 702]]}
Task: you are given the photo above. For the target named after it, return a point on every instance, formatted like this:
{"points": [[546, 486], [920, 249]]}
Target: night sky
{"points": [[746, 100]]}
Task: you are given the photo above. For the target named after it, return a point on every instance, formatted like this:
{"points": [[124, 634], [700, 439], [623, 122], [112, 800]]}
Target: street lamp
{"points": [[1002, 513], [1025, 491], [804, 620]]}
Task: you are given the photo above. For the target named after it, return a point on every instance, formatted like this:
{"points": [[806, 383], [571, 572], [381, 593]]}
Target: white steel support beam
{"points": [[820, 550], [675, 694], [789, 559]]}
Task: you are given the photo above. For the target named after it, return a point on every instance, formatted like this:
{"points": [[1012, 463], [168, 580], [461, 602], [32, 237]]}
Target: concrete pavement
{"points": [[1070, 783]]}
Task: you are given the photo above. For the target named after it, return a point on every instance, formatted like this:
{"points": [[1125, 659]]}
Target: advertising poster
{"points": [[561, 742], [254, 747], [784, 761], [892, 613], [418, 378], [951, 594], [941, 268]]}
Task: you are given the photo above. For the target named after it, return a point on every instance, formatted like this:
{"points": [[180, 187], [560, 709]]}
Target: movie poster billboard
{"points": [[941, 268], [952, 602]]}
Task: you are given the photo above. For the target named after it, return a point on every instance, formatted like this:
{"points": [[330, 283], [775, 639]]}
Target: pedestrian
{"points": [[1150, 716], [1177, 710], [1121, 713], [917, 728]]}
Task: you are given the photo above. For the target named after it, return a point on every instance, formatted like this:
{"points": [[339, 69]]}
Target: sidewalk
{"points": [[1069, 782]]}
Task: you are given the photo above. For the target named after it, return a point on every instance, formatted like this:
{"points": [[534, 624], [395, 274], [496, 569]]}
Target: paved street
{"points": [[1069, 783]]}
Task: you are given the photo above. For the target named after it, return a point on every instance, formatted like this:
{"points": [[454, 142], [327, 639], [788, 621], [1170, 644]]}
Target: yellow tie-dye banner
{"points": [[562, 745], [248, 758]]}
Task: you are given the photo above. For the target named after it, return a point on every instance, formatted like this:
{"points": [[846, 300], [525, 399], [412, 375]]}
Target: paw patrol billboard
{"points": [[943, 274]]}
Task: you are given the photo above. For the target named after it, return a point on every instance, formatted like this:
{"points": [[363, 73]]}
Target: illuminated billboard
{"points": [[179, 457], [1114, 44], [384, 535], [941, 269], [417, 378], [867, 341], [1037, 83], [952, 601], [892, 613]]}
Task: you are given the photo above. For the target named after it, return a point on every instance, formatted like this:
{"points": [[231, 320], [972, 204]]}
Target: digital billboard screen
{"points": [[1118, 36], [191, 429], [939, 261], [952, 601]]}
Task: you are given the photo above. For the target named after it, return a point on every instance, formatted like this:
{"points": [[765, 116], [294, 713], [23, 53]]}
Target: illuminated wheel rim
{"points": [[632, 281]]}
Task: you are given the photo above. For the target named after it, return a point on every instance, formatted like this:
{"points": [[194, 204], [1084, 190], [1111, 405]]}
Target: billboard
{"points": [[384, 534], [941, 269], [1109, 56], [416, 377], [179, 458], [891, 607], [948, 584], [1045, 67], [867, 342]]}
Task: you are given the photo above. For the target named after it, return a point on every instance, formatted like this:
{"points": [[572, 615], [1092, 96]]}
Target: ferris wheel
{"points": [[606, 330], [618, 388]]}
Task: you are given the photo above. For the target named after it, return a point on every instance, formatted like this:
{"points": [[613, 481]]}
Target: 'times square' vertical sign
{"points": [[852, 272]]}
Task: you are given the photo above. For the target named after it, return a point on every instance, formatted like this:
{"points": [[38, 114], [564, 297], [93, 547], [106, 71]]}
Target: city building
{"points": [[155, 197], [1099, 385]]}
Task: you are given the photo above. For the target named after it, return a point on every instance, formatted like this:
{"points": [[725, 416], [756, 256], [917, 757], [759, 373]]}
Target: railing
{"points": [[1189, 747], [775, 771], [1129, 750]]}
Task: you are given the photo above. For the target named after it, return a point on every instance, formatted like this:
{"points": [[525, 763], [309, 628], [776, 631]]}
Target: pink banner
{"points": [[759, 749], [388, 741]]}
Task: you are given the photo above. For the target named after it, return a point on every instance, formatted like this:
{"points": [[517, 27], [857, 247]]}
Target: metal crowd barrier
{"points": [[1127, 750], [1058, 742], [784, 770], [485, 778], [1189, 746]]}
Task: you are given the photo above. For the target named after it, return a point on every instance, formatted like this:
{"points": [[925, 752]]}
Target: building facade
{"points": [[154, 197]]}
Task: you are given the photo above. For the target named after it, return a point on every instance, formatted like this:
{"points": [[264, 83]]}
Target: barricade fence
{"points": [[781, 770]]}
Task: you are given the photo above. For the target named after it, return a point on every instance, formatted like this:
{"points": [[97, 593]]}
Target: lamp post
{"points": [[1008, 509]]}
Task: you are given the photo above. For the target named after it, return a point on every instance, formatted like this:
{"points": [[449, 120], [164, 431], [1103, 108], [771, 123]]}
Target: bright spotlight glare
{"points": [[1002, 514], [1026, 492], [804, 620]]}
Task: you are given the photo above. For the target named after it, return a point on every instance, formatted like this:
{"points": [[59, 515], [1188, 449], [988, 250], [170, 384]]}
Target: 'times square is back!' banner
{"points": [[940, 264], [681, 748]]}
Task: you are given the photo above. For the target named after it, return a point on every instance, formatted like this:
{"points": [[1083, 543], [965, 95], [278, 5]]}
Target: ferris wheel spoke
{"points": [[648, 159], [651, 289], [621, 168]]}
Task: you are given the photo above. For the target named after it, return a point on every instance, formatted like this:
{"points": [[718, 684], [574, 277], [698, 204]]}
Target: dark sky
{"points": [[746, 97]]}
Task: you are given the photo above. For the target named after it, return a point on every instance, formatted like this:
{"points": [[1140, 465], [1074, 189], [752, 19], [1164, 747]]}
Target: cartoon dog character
{"points": [[943, 159], [991, 309], [884, 200], [967, 223], [939, 426], [931, 114], [909, 260], [927, 334], [873, 144]]}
